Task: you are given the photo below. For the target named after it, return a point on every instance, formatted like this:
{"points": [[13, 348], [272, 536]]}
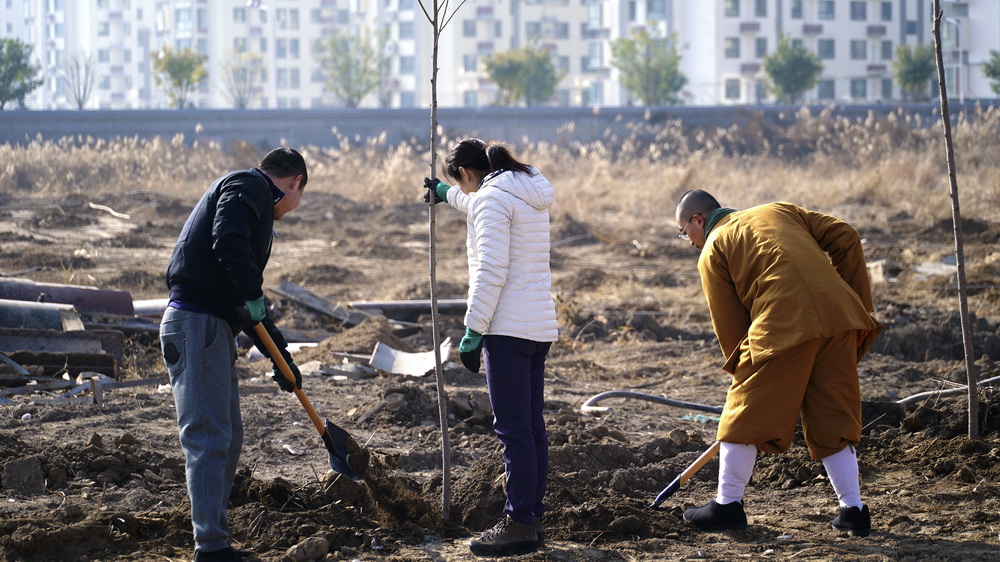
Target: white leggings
{"points": [[736, 464]]}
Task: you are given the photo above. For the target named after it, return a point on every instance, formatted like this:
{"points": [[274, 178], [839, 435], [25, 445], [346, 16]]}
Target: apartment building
{"points": [[723, 45]]}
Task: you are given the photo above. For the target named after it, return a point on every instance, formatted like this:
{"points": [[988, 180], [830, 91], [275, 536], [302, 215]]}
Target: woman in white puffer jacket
{"points": [[511, 319]]}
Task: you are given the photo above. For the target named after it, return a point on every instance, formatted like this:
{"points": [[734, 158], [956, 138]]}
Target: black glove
{"points": [[431, 185], [472, 359], [284, 383]]}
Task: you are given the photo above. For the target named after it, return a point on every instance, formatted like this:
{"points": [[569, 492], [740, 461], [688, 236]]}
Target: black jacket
{"points": [[220, 256]]}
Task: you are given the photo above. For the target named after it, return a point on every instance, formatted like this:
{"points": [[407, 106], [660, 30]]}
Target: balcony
{"points": [[812, 28], [877, 69], [484, 12], [876, 30], [749, 27], [750, 68]]}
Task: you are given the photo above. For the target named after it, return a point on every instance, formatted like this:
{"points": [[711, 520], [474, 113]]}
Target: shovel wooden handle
{"points": [[687, 474], [279, 360]]}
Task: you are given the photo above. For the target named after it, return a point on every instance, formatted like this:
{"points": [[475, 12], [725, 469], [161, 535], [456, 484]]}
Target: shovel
{"points": [[688, 473], [346, 457]]}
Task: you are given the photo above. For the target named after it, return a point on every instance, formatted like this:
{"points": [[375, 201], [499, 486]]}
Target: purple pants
{"points": [[515, 378]]}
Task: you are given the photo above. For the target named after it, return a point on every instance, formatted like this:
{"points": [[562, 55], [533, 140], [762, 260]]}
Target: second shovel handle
{"points": [[279, 360]]}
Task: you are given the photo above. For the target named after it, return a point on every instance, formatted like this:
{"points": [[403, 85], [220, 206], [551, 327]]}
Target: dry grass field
{"points": [[632, 318]]}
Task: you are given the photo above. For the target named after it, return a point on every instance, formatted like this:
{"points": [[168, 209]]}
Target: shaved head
{"points": [[695, 202]]}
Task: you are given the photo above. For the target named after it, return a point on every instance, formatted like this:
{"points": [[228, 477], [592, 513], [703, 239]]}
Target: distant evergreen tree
{"points": [[791, 70]]}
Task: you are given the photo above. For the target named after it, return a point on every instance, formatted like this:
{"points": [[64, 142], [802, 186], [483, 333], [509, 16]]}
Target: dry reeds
{"points": [[879, 167]]}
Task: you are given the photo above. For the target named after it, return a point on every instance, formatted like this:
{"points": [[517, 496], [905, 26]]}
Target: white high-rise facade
{"points": [[722, 45]]}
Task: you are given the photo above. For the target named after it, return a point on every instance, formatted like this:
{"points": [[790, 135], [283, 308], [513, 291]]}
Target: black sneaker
{"points": [[506, 536], [718, 517], [853, 521], [223, 555]]}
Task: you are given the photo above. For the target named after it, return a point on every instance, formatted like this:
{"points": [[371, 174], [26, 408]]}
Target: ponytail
{"points": [[484, 158]]}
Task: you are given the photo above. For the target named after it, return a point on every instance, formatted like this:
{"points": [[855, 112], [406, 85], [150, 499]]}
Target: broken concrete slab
{"points": [[398, 362]]}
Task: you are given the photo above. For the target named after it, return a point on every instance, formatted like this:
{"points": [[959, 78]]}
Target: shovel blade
{"points": [[346, 456]]}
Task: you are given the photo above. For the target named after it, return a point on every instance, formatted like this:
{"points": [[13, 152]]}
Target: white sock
{"points": [[842, 468], [735, 465]]}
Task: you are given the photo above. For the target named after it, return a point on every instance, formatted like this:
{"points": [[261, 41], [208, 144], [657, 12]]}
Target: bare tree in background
{"points": [[80, 78], [241, 74]]}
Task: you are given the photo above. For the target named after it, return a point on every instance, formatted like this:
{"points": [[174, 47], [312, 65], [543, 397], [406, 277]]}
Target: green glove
{"points": [[470, 341], [256, 309], [470, 350], [442, 190]]}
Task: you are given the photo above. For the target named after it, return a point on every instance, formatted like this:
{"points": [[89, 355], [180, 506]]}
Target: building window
{"points": [[859, 88], [407, 99], [731, 47], [592, 95], [533, 29], [911, 27], [886, 11], [405, 5], [760, 8], [859, 11], [797, 42], [469, 98], [732, 8], [796, 9], [498, 29], [887, 88], [182, 19], [293, 20], [859, 49], [406, 30], [282, 78], [103, 29], [656, 10], [562, 30], [281, 48], [887, 50], [468, 28], [562, 63], [760, 47], [470, 63], [732, 86], [103, 55], [825, 48], [594, 16], [826, 11], [633, 11], [293, 49], [825, 90], [407, 65], [293, 78], [594, 58]]}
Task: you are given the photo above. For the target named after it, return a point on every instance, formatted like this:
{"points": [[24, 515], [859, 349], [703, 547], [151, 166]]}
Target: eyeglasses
{"points": [[683, 235]]}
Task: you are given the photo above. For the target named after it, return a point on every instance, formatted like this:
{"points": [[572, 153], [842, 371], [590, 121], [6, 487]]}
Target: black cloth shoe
{"points": [[718, 517], [506, 536], [223, 555], [853, 521], [539, 530]]}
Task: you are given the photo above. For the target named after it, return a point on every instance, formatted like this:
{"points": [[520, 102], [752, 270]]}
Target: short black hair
{"points": [[285, 162]]}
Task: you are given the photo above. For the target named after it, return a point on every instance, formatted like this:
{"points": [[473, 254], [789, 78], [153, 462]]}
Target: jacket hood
{"points": [[534, 189]]}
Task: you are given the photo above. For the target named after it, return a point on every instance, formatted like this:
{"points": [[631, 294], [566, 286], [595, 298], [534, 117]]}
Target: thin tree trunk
{"points": [[435, 19], [970, 366]]}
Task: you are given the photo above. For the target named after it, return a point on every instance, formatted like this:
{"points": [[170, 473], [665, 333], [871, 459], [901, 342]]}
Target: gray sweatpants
{"points": [[200, 353]]}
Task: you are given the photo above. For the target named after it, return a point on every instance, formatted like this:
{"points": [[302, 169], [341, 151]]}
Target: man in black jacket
{"points": [[216, 277]]}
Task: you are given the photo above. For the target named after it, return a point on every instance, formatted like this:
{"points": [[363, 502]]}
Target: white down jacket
{"points": [[510, 284]]}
